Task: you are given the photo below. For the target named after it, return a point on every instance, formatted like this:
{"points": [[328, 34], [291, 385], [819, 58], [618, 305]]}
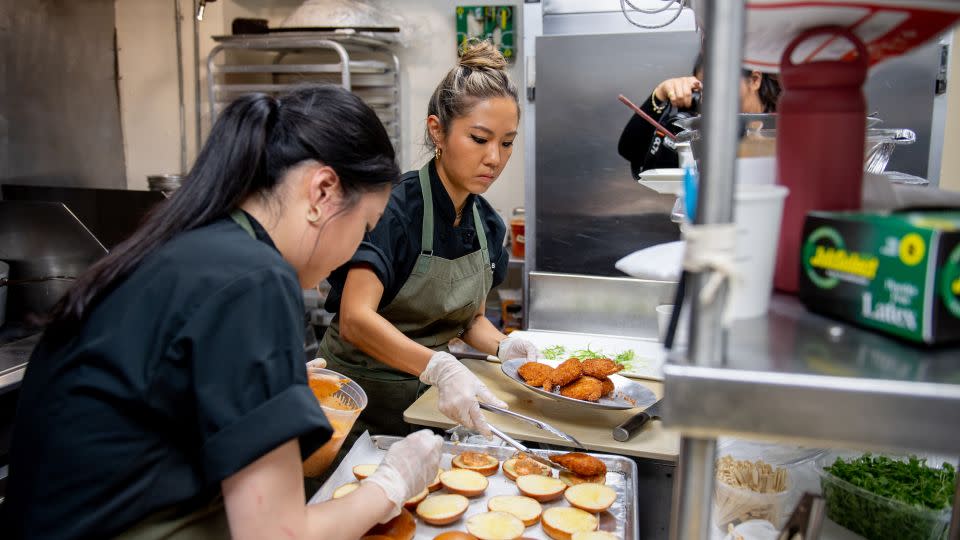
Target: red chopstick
{"points": [[647, 117]]}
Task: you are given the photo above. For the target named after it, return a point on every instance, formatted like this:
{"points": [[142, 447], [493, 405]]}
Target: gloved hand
{"points": [[460, 391], [515, 347], [409, 466]]}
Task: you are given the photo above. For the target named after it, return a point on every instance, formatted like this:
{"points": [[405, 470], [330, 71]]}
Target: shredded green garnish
{"points": [[557, 352]]}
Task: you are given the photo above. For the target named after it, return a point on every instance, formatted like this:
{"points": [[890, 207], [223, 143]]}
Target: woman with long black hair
{"points": [[168, 396]]}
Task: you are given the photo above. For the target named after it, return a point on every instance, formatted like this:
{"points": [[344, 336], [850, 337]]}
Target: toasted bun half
{"points": [[595, 535], [561, 523], [344, 490], [402, 527], [363, 471], [526, 509], [590, 497], [464, 482], [516, 467], [435, 485], [571, 479], [482, 463], [454, 535], [442, 509], [540, 488], [412, 502], [495, 526]]}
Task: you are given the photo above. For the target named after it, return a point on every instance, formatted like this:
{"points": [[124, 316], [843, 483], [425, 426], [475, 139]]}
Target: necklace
{"points": [[460, 213]]}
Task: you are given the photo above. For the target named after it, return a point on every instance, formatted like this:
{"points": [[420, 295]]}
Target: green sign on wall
{"points": [[494, 23]]}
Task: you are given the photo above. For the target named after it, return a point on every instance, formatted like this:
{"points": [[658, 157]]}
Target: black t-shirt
{"points": [[643, 146], [393, 246], [185, 373]]}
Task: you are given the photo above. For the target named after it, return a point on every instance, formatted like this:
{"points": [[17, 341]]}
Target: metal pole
{"points": [[724, 26], [180, 87], [196, 77], [693, 490]]}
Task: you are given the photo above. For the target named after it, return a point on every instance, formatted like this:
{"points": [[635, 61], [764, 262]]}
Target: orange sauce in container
{"points": [[340, 411]]}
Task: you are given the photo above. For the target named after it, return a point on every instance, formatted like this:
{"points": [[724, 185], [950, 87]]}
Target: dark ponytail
{"points": [[254, 141]]}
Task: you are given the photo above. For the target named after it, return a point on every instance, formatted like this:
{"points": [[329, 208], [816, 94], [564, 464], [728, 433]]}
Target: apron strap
{"points": [[426, 234], [243, 221]]}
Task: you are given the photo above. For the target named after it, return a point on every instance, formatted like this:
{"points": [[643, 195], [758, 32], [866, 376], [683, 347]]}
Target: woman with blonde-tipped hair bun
{"points": [[421, 277]]}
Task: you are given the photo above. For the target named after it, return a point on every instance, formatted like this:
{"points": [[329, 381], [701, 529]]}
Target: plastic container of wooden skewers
{"points": [[759, 481]]}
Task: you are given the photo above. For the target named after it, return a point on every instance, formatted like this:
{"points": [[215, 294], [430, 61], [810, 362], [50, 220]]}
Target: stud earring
{"points": [[313, 215]]}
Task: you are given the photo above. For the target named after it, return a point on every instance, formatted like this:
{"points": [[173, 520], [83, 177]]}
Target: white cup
{"points": [[664, 312], [758, 210]]}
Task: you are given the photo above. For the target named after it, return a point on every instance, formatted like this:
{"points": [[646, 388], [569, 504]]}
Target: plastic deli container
{"points": [[342, 407], [875, 517], [733, 505]]}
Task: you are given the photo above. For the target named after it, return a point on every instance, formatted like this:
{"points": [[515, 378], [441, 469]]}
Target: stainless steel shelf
{"points": [[800, 376], [369, 67]]}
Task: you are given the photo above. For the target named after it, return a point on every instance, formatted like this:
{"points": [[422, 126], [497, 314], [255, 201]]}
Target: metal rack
{"points": [[273, 63], [792, 375]]}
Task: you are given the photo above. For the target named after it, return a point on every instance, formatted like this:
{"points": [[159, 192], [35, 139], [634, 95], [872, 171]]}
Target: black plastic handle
{"points": [[631, 427]]}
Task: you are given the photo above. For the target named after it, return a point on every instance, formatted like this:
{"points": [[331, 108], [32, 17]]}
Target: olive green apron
{"points": [[209, 521], [435, 305]]}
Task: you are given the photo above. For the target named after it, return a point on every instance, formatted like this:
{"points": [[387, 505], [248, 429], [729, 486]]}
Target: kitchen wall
{"points": [[59, 121], [148, 84]]}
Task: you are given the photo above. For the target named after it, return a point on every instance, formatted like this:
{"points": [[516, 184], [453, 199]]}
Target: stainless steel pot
{"points": [[164, 183]]}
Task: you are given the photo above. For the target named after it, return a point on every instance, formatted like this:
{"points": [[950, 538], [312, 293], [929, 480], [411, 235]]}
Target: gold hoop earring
{"points": [[313, 215], [437, 153]]}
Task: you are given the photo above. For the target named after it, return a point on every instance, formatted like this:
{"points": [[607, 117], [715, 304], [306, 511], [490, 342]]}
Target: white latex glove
{"points": [[409, 466], [515, 347], [460, 391]]}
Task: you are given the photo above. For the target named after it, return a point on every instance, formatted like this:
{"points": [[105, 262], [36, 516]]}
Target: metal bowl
{"points": [[627, 394], [164, 183]]}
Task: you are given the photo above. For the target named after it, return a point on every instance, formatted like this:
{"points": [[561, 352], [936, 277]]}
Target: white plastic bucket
{"points": [[758, 210]]}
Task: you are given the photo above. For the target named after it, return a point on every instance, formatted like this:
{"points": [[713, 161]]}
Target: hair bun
{"points": [[481, 55]]}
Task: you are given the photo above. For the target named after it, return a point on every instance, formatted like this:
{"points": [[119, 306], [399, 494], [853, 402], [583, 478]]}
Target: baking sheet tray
{"points": [[620, 519]]}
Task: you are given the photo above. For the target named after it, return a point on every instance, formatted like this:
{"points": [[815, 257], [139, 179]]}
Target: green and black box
{"points": [[898, 273]]}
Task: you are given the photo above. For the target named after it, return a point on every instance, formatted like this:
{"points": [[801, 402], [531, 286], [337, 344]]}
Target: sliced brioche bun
{"points": [[464, 482], [540, 488], [526, 509], [590, 497], [594, 535], [495, 526], [442, 509], [363, 471], [435, 485], [344, 490], [561, 522], [487, 468], [454, 535], [510, 471], [402, 527], [412, 502], [571, 479]]}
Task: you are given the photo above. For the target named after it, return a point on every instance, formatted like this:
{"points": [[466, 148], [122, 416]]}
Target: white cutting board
{"points": [[648, 355]]}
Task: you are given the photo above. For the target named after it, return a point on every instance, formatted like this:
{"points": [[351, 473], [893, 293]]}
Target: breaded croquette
{"points": [[607, 387], [535, 373], [564, 374], [580, 464], [600, 367], [585, 388]]}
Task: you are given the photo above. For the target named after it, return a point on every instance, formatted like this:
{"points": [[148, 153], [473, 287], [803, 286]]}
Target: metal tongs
{"points": [[519, 447], [533, 421]]}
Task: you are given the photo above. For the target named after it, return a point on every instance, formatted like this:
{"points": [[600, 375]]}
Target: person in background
{"points": [[421, 277], [646, 148], [168, 396]]}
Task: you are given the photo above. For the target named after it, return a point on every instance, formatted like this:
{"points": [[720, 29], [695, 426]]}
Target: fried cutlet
{"points": [[600, 367], [580, 464], [607, 387], [564, 374], [535, 373], [585, 388]]}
